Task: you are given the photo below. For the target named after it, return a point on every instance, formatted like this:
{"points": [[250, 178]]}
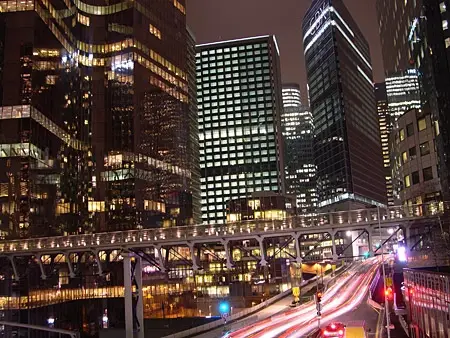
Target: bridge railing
{"points": [[122, 238]]}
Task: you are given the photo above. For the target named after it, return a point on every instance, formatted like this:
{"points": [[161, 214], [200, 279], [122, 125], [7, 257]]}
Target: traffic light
{"points": [[388, 293], [224, 307], [318, 296]]}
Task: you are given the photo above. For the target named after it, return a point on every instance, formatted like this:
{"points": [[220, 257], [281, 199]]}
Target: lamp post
{"points": [[386, 305]]}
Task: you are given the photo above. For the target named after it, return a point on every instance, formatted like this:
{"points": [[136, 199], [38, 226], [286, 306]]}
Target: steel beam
{"points": [[262, 249], [140, 297], [14, 267], [194, 258], [69, 265], [41, 266]]}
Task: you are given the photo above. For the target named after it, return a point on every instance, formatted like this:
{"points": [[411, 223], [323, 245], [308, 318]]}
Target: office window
{"points": [[402, 134], [415, 177], [424, 148], [407, 181], [447, 42], [412, 152], [405, 157], [444, 24], [422, 124], [428, 174], [442, 7], [409, 130]]}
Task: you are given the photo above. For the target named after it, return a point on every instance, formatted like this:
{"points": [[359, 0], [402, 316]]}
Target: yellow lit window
{"points": [[436, 128], [405, 157], [84, 20], [422, 124], [94, 206], [407, 181], [402, 134], [155, 31]]}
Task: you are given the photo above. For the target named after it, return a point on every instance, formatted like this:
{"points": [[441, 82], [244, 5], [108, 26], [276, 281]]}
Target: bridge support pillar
{"points": [[128, 295], [69, 265], [370, 242], [140, 297], [333, 246], [227, 247], [298, 259], [192, 250], [99, 262], [262, 249], [162, 265], [14, 267], [41, 267], [407, 237]]}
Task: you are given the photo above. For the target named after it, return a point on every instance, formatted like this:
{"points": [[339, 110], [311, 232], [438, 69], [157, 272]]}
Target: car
{"points": [[333, 330]]}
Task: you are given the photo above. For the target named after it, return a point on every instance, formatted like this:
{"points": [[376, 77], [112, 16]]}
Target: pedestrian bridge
{"points": [[363, 219]]}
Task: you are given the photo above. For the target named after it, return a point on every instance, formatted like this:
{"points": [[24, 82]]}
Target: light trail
{"points": [[334, 298]]}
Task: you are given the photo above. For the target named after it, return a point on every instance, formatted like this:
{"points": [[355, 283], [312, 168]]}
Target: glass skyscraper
{"points": [[98, 128], [298, 137], [347, 138], [239, 108]]}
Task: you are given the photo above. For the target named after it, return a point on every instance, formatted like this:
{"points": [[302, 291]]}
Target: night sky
{"points": [[215, 20]]}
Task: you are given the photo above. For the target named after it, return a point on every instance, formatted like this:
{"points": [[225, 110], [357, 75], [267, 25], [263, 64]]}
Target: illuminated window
{"points": [[402, 134], [422, 124], [447, 42], [407, 181], [155, 31], [84, 20], [444, 24], [442, 7], [424, 148], [404, 157]]}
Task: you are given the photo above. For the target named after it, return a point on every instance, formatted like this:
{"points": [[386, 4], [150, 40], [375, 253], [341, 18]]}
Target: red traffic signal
{"points": [[319, 297], [388, 293]]}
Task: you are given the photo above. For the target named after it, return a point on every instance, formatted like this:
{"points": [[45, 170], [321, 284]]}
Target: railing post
{"points": [[128, 295]]}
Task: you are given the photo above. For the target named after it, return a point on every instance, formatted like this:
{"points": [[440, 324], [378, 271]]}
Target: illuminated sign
{"points": [[318, 19]]}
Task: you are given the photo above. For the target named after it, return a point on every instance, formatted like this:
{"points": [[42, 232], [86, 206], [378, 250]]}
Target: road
{"points": [[272, 310], [346, 294]]}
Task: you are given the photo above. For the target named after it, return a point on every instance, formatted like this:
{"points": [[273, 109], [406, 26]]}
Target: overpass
{"points": [[133, 244]]}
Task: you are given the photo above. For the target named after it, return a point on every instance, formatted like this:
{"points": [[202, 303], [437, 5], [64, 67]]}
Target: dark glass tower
{"points": [[347, 139], [97, 126], [298, 136]]}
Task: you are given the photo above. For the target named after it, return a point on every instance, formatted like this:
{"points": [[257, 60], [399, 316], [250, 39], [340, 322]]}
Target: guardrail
{"points": [[71, 334], [243, 313]]}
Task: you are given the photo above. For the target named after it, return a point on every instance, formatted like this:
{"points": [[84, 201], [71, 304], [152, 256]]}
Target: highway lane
{"points": [[340, 298]]}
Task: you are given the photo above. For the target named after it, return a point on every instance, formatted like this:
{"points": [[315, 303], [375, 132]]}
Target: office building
{"points": [[385, 130], [298, 136], [403, 92], [414, 158], [415, 34], [239, 108], [97, 127], [347, 138]]}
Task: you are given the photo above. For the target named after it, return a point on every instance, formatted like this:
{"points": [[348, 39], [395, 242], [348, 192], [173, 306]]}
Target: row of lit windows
{"points": [[261, 81], [255, 97], [155, 31], [246, 183], [210, 164], [235, 69], [224, 122], [224, 153], [238, 176], [220, 51], [225, 133], [414, 178], [218, 113]]}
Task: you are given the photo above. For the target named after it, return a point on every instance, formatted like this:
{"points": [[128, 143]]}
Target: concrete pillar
{"points": [[333, 245], [162, 266], [370, 242], [41, 267], [192, 250], [407, 235], [140, 300], [14, 267], [226, 245], [298, 259], [263, 261], [128, 295], [99, 262], [69, 265]]}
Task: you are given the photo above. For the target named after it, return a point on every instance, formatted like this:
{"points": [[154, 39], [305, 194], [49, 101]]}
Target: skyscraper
{"points": [[298, 137], [347, 138], [403, 93], [384, 120], [239, 103], [97, 128]]}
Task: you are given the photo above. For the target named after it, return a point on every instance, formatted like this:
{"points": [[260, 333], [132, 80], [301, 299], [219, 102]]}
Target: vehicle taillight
{"points": [[341, 332], [326, 333], [333, 326]]}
